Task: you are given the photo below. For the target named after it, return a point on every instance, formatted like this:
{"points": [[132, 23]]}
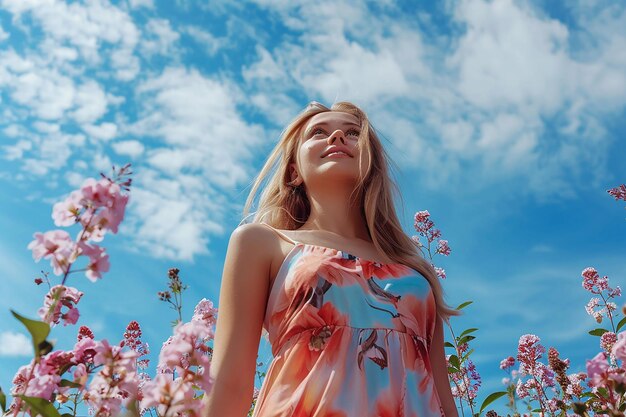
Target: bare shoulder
{"points": [[255, 242]]}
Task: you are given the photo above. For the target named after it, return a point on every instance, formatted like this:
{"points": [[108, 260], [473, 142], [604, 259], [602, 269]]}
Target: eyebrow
{"points": [[308, 130]]}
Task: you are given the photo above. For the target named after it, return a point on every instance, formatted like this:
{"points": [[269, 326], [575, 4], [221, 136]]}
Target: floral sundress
{"points": [[349, 337]]}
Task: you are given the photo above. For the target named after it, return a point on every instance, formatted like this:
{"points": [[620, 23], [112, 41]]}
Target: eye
{"points": [[353, 132], [317, 131]]}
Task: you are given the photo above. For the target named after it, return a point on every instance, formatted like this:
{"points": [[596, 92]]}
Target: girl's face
{"points": [[324, 133]]}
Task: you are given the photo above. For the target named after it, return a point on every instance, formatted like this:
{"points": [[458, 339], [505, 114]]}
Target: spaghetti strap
{"points": [[290, 240]]}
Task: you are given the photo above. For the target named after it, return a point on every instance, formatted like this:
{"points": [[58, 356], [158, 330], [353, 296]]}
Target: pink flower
{"points": [[619, 348], [441, 273], [175, 396], [575, 387], [106, 195], [66, 212], [55, 361], [616, 292], [618, 192], [507, 362], [54, 244], [597, 369], [58, 297], [41, 386], [116, 382], [592, 281], [529, 351], [98, 260], [443, 248], [80, 375], [84, 350], [205, 312], [607, 340]]}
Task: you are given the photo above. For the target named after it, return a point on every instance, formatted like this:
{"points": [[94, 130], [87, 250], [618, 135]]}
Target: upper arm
{"points": [[439, 365], [241, 307]]}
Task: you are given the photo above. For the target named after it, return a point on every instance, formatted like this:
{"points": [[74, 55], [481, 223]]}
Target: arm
{"points": [[242, 302], [440, 370]]}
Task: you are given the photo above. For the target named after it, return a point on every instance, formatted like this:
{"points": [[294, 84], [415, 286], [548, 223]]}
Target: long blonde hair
{"points": [[285, 207]]}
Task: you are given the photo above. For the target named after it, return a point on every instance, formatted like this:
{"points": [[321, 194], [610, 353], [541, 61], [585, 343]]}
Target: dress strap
{"points": [[290, 240]]}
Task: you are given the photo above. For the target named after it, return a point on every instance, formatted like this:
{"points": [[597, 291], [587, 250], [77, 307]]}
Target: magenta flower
{"points": [[618, 192]]}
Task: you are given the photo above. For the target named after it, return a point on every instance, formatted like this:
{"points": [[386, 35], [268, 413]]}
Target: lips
{"points": [[336, 149]]}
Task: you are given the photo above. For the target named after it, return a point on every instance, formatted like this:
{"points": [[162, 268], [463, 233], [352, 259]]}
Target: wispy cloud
{"points": [[15, 344]]}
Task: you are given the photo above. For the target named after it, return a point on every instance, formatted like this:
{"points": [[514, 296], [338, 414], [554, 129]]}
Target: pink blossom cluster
{"points": [[602, 372], [541, 376], [58, 297], [114, 383], [595, 284], [507, 363], [99, 207], [425, 227], [618, 192], [466, 381], [183, 364]]}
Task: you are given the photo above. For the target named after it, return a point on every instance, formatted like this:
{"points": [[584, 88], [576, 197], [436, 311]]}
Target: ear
{"points": [[294, 176]]}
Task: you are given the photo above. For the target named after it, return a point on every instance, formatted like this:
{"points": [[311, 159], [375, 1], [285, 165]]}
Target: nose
{"points": [[336, 134]]}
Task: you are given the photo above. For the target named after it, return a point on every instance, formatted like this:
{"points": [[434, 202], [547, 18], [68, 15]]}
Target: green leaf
{"points": [[491, 398], [621, 324], [604, 393], [466, 339], [68, 383], [41, 406], [38, 331], [463, 305], [448, 344], [597, 332], [3, 401], [454, 361], [467, 332]]}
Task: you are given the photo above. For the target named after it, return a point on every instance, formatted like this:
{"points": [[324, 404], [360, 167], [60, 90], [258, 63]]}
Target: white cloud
{"points": [[207, 147], [91, 102], [105, 131], [15, 344], [159, 37], [206, 40], [142, 3], [484, 98], [3, 35], [85, 26], [131, 148]]}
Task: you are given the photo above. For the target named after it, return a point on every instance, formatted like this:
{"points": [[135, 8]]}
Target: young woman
{"points": [[352, 310]]}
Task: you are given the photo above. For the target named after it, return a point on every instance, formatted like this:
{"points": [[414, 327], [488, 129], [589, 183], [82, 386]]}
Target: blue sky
{"points": [[505, 120]]}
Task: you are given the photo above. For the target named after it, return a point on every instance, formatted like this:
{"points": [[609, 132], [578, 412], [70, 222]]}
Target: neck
{"points": [[332, 211]]}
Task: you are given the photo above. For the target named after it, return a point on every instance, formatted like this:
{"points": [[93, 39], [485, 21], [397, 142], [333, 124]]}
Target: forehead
{"points": [[335, 118]]}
